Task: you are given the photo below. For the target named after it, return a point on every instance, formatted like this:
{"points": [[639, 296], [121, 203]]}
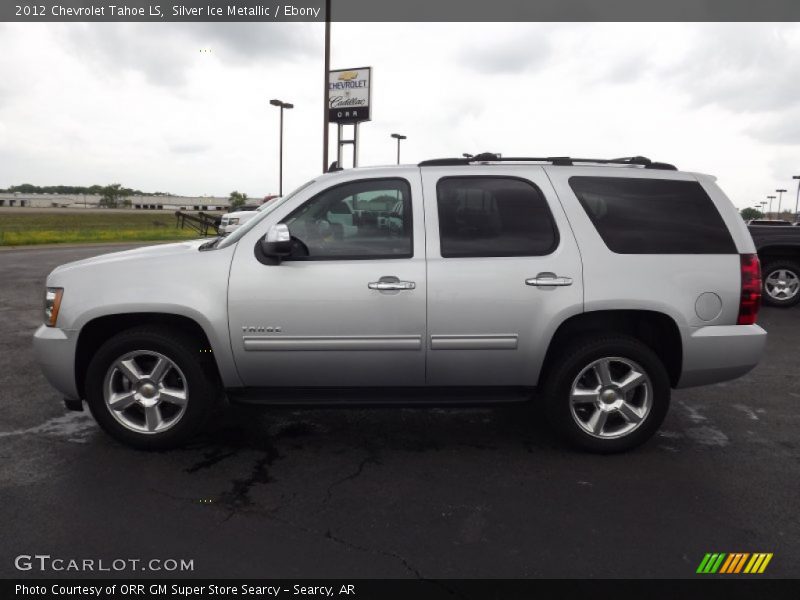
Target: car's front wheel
{"points": [[781, 283], [607, 394], [150, 388]]}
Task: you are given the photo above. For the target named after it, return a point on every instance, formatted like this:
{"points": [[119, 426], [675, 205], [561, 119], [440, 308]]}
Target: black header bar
{"points": [[741, 588], [399, 10]]}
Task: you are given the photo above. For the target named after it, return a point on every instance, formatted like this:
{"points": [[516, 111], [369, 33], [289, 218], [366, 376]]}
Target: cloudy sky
{"points": [[140, 104]]}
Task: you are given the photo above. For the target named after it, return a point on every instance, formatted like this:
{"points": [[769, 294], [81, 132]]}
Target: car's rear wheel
{"points": [[150, 388], [781, 283], [607, 394]]}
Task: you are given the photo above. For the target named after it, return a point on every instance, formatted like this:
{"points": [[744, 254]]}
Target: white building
{"points": [[192, 203]]}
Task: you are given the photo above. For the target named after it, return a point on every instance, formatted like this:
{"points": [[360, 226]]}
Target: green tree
{"points": [[237, 200], [111, 196], [751, 213], [27, 188]]}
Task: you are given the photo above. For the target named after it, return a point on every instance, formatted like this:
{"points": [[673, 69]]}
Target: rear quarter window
{"points": [[653, 216]]}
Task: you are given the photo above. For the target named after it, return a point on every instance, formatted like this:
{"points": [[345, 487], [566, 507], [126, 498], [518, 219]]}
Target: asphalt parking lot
{"points": [[398, 492]]}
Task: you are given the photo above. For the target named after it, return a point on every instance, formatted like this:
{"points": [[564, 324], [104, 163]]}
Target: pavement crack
{"points": [[238, 496], [329, 535], [371, 458], [211, 458], [389, 554]]}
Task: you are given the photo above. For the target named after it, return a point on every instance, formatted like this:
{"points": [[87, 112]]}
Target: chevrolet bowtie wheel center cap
{"points": [[148, 390], [609, 396]]}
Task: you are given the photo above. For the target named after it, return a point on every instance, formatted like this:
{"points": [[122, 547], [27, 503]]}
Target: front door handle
{"points": [[548, 280], [386, 284]]}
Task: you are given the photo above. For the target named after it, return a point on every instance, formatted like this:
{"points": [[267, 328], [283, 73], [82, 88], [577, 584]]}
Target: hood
{"points": [[146, 253], [240, 213]]}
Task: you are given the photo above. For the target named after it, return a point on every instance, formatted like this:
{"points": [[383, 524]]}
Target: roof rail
{"points": [[559, 161]]}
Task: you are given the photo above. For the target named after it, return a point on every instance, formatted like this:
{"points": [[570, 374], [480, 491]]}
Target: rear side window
{"points": [[493, 216], [653, 216]]}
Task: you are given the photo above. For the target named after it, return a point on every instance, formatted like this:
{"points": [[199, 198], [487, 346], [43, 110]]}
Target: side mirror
{"points": [[277, 244]]}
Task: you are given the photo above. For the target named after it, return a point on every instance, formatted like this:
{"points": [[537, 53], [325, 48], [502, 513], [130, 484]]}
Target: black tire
{"points": [[572, 360], [779, 265], [202, 385]]}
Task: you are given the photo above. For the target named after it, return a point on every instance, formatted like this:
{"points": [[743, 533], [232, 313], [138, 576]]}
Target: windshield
{"points": [[262, 211]]}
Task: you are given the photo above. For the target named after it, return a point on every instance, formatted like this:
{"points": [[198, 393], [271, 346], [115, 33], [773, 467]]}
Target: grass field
{"points": [[26, 227]]}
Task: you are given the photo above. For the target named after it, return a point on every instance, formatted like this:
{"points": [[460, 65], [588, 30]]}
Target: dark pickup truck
{"points": [[779, 252]]}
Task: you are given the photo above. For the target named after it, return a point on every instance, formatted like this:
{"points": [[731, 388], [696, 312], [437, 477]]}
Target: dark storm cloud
{"points": [[163, 52]]}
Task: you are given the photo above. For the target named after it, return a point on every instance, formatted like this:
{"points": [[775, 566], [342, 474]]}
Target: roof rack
{"points": [[559, 161]]}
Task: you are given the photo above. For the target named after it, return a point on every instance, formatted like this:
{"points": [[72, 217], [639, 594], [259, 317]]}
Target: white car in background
{"points": [[231, 221]]}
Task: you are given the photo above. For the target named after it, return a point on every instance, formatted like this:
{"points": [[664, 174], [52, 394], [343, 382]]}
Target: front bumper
{"points": [[720, 353], [55, 352]]}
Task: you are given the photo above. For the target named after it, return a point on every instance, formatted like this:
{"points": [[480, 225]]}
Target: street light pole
{"points": [[287, 106], [780, 198], [770, 198], [798, 196], [398, 137]]}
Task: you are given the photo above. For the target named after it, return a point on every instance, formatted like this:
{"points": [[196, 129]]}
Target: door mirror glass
{"points": [[278, 242]]}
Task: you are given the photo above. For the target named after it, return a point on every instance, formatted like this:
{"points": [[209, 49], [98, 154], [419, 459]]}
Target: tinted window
{"points": [[653, 216], [493, 216], [362, 219], [769, 223]]}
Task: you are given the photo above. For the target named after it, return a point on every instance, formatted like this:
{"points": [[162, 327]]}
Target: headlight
{"points": [[52, 302], [233, 221]]}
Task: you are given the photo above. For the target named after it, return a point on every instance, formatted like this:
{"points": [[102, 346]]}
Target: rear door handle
{"points": [[548, 280], [386, 284]]}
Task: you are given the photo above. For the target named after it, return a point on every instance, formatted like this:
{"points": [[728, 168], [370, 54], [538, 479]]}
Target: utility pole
{"points": [[770, 198], [287, 106], [325, 117]]}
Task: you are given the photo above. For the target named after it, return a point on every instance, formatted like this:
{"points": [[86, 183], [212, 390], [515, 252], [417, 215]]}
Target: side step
{"points": [[378, 397]]}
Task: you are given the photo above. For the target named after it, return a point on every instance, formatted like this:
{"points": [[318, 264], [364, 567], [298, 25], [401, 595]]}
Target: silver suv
{"points": [[591, 286]]}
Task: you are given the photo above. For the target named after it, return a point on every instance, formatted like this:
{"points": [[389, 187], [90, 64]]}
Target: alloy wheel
{"points": [[145, 391], [782, 284], [611, 397]]}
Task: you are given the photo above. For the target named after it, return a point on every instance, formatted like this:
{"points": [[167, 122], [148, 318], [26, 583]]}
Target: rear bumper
{"points": [[55, 352], [720, 353]]}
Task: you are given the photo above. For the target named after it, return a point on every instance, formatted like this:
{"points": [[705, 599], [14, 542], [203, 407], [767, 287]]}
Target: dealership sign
{"points": [[349, 95]]}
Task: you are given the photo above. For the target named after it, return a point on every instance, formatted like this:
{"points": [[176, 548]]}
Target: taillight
{"points": [[750, 300]]}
